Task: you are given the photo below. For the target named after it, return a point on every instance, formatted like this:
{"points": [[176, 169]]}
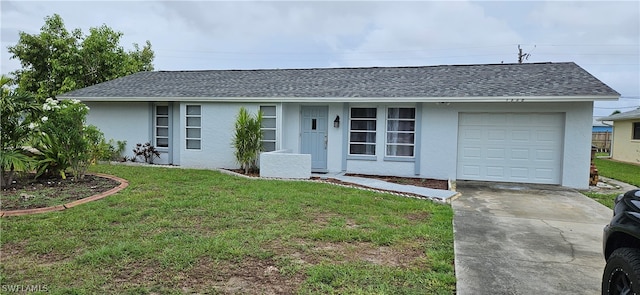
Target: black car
{"points": [[621, 246]]}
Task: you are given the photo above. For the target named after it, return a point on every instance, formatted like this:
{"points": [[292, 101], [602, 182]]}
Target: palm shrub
{"points": [[51, 158], [247, 139], [115, 150], [18, 110]]}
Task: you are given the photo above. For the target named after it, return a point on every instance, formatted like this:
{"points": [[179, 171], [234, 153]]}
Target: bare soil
{"points": [[29, 193]]}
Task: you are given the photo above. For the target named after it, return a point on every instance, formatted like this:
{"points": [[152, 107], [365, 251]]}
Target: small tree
{"points": [[57, 60], [63, 125], [247, 139]]}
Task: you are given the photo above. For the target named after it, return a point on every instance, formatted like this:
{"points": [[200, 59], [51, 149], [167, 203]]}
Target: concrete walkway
{"points": [[428, 193], [527, 239]]}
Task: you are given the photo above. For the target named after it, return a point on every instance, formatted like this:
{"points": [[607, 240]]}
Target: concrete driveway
{"points": [[527, 239]]}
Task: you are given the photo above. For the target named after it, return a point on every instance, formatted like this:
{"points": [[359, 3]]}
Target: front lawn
{"points": [[199, 231], [624, 172]]}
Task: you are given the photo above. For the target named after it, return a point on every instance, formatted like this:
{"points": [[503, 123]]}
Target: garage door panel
{"points": [[519, 154], [471, 170], [551, 120], [494, 171], [521, 135], [495, 119], [544, 174], [519, 173], [545, 155], [511, 147], [496, 135], [471, 153], [471, 134], [472, 119], [547, 135], [496, 153]]}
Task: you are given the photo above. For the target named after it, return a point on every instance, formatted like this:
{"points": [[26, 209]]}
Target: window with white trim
{"points": [[636, 131], [362, 131], [268, 128], [401, 126], [161, 132], [193, 127]]}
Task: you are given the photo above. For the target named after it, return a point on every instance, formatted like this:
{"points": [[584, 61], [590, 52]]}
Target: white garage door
{"points": [[510, 147]]}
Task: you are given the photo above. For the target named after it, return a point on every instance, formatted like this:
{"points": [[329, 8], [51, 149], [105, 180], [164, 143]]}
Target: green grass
{"points": [[175, 231], [624, 172], [604, 199]]}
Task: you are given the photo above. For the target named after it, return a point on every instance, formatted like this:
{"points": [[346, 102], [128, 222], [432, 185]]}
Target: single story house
{"points": [[601, 135], [626, 136], [526, 123], [601, 126]]}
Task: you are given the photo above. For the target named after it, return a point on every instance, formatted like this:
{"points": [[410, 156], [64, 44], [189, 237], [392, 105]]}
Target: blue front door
{"points": [[314, 136]]}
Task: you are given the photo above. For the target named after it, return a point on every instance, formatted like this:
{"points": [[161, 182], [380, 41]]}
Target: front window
{"points": [[636, 130], [161, 132], [401, 126], [193, 127], [362, 131], [268, 128]]}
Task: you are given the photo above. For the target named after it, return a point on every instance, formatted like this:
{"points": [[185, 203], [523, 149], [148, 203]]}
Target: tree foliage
{"points": [[18, 110], [247, 139], [57, 61], [66, 141], [48, 138]]}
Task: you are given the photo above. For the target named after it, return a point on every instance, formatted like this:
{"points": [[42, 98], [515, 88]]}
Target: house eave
{"points": [[481, 99]]}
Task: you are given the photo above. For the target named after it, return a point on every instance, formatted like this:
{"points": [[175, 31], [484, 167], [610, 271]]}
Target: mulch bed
{"points": [[30, 193], [423, 182]]}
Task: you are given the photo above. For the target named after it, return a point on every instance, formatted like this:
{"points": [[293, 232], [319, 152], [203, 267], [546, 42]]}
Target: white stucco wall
{"points": [[217, 121], [120, 121], [284, 164], [440, 137], [437, 147]]}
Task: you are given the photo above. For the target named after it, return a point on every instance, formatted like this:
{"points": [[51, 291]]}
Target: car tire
{"points": [[622, 273]]}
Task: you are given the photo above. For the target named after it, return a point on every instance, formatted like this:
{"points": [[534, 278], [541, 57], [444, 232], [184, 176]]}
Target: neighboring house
{"points": [[601, 135], [626, 136], [524, 123], [601, 126]]}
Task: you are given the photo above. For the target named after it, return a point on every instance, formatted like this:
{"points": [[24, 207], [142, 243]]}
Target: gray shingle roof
{"points": [[630, 115], [449, 81]]}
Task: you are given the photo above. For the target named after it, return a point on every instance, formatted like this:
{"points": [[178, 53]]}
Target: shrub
{"points": [[146, 151], [51, 159], [98, 148], [63, 122], [116, 148], [247, 139]]}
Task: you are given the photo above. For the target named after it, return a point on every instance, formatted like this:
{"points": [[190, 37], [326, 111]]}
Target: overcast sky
{"points": [[601, 36]]}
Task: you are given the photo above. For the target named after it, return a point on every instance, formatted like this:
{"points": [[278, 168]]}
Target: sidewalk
{"points": [[445, 196]]}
